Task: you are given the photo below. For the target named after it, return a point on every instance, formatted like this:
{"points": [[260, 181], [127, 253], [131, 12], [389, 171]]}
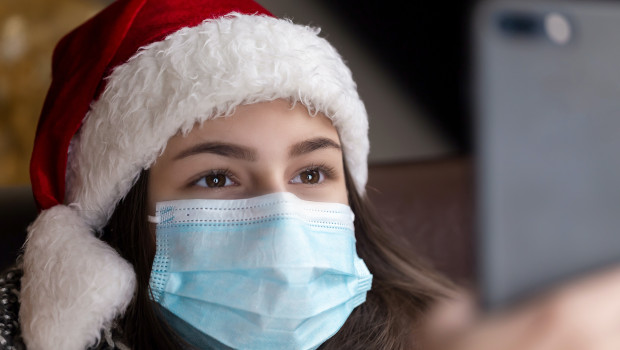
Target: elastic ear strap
{"points": [[154, 219]]}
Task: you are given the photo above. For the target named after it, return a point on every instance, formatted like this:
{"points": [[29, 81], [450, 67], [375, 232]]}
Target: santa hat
{"points": [[125, 82]]}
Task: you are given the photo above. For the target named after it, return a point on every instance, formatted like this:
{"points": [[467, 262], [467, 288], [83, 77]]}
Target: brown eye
{"points": [[215, 180], [218, 180], [312, 176]]}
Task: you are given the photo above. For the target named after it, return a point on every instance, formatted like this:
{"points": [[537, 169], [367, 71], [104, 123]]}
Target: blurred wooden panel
{"points": [[431, 205], [29, 30]]}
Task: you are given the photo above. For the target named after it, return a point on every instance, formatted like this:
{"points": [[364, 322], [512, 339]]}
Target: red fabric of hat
{"points": [[82, 60]]}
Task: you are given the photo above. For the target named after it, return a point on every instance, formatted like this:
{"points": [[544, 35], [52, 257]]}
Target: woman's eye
{"points": [[215, 181], [310, 176]]}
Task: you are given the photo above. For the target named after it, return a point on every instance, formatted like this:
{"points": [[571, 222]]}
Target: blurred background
{"points": [[410, 65], [29, 30]]}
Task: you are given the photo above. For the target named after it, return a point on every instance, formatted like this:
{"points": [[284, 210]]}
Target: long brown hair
{"points": [[403, 287]]}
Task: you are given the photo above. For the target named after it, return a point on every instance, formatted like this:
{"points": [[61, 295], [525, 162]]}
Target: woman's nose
{"points": [[266, 183]]}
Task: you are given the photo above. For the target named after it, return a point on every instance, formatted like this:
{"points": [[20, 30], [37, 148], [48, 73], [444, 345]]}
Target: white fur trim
{"points": [[201, 73], [73, 284]]}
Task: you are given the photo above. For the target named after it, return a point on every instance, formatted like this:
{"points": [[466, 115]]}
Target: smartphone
{"points": [[547, 107]]}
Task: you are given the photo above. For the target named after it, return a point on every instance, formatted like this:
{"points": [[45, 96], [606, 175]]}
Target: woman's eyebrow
{"points": [[311, 145], [222, 149]]}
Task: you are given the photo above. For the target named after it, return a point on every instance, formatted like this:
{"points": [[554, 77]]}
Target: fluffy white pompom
{"points": [[73, 285]]}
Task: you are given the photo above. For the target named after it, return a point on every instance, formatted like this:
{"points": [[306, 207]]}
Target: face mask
{"points": [[271, 272]]}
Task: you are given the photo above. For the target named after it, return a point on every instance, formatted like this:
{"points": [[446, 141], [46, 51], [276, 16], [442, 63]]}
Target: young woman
{"points": [[201, 170], [236, 141]]}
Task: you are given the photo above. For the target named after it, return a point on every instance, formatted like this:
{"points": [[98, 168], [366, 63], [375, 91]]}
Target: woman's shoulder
{"points": [[10, 331]]}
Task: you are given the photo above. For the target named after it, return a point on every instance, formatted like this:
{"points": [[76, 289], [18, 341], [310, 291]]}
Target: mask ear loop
{"points": [[154, 219]]}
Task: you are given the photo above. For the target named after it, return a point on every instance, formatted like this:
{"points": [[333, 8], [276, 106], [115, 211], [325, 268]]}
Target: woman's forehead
{"points": [[274, 123]]}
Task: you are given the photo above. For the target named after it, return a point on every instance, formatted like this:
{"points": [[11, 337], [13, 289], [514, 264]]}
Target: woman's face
{"points": [[262, 148]]}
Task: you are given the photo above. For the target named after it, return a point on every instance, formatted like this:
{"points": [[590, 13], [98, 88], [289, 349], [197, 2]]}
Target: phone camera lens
{"points": [[520, 24], [558, 28]]}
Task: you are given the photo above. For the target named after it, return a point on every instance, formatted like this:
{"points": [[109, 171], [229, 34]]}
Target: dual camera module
{"points": [[553, 26]]}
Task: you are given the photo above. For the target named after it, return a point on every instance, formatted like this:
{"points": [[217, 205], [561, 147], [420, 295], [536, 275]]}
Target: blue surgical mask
{"points": [[271, 272]]}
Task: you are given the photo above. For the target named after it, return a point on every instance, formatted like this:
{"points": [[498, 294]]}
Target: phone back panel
{"points": [[548, 132]]}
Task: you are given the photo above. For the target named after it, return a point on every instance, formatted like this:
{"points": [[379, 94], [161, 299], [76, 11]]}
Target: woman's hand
{"points": [[582, 315]]}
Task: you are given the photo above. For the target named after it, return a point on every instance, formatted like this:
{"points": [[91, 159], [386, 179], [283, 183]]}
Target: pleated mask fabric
{"points": [[270, 272]]}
